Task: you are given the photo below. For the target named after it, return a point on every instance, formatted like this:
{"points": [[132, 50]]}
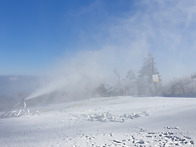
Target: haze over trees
{"points": [[147, 82], [143, 84], [184, 86]]}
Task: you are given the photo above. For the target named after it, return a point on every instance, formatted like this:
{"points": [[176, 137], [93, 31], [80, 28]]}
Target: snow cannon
{"points": [[18, 110]]}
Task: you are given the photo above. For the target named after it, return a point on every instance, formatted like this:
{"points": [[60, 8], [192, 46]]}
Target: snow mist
{"points": [[156, 27]]}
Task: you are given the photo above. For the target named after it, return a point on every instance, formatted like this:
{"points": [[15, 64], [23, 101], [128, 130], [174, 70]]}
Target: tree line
{"points": [[147, 83]]}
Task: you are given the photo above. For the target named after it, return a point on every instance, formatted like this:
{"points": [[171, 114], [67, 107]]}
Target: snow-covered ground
{"points": [[114, 121]]}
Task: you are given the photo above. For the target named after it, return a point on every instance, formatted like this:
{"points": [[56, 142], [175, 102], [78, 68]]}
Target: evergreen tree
{"points": [[147, 86]]}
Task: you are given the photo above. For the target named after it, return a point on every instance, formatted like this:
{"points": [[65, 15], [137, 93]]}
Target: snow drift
{"points": [[114, 121]]}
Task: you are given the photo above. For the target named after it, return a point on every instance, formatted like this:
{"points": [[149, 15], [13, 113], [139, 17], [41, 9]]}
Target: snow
{"points": [[114, 121]]}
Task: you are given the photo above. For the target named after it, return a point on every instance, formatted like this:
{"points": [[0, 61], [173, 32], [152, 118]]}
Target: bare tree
{"points": [[129, 84], [185, 86]]}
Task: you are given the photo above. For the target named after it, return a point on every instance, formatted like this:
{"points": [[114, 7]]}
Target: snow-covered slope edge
{"points": [[114, 121]]}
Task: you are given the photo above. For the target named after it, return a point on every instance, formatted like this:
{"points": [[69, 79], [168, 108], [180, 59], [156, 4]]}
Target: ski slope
{"points": [[114, 121]]}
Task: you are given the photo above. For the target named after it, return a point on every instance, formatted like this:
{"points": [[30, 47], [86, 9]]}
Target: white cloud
{"points": [[165, 28]]}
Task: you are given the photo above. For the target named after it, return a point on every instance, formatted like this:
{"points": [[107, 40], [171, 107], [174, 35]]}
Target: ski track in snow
{"points": [[105, 122]]}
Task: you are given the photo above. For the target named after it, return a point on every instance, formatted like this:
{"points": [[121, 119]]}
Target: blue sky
{"points": [[35, 34]]}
